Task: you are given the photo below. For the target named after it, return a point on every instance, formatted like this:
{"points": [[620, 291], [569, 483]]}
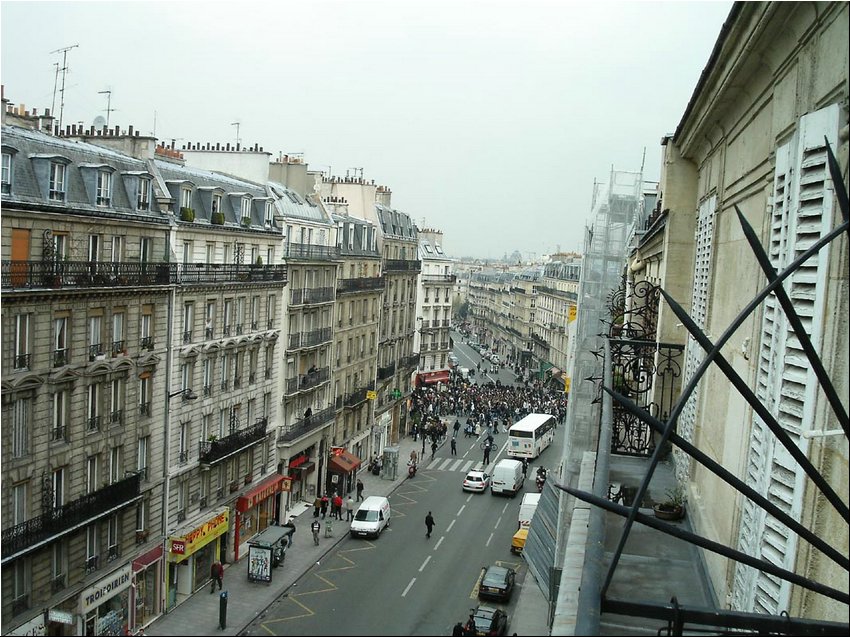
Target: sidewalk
{"points": [[199, 615]]}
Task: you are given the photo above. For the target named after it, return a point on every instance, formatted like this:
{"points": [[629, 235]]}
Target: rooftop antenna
{"points": [[355, 172], [108, 94], [64, 69], [236, 124]]}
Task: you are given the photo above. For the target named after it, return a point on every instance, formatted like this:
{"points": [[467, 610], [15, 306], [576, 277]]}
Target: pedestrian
{"points": [[316, 504], [433, 448], [216, 575], [469, 628], [454, 447], [349, 509], [359, 489], [458, 631], [487, 453], [315, 527], [337, 506], [429, 523], [524, 467], [324, 505], [424, 440]]}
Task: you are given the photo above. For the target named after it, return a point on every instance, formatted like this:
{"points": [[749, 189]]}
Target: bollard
{"points": [[222, 610], [329, 528]]}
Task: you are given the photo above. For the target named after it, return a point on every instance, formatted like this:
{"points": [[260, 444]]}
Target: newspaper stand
{"points": [[267, 550]]}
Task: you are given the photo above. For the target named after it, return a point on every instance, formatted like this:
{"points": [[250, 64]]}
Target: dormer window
{"points": [[143, 201], [216, 203], [269, 213], [104, 188], [56, 190], [7, 172], [185, 197], [246, 207]]}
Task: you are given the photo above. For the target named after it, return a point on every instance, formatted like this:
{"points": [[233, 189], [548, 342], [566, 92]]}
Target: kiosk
{"points": [[267, 550]]}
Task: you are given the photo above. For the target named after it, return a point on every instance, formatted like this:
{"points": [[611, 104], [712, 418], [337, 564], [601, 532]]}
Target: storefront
{"points": [[191, 552], [342, 466], [256, 510], [430, 378], [105, 605], [300, 468], [145, 594]]}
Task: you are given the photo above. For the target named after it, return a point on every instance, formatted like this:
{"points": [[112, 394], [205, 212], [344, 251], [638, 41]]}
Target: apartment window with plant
{"points": [[21, 427], [185, 197], [22, 342], [146, 328], [116, 405], [95, 336], [216, 204], [56, 185], [118, 344], [7, 173], [104, 188], [188, 321], [61, 399], [93, 407], [143, 201], [142, 456]]}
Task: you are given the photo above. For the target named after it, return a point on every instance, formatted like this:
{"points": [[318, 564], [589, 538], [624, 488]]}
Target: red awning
{"points": [[346, 462], [259, 493], [441, 376]]}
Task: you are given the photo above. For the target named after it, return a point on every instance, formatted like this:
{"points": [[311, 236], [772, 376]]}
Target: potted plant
{"points": [[246, 221], [673, 508], [187, 214], [217, 218]]}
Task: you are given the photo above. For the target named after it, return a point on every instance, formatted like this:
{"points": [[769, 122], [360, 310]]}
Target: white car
{"points": [[494, 358], [476, 481]]}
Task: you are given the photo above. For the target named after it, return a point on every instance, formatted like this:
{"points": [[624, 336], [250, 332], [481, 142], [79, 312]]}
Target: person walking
{"points": [[315, 527], [433, 448], [359, 489], [524, 468], [216, 575], [337, 507], [317, 503], [429, 523], [454, 446], [324, 503], [349, 509], [487, 452]]}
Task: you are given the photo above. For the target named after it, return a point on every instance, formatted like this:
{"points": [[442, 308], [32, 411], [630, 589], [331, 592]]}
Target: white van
{"points": [[507, 477], [371, 518], [526, 509]]}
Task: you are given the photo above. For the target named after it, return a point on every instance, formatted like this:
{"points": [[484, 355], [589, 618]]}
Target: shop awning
{"points": [[299, 472], [345, 462], [441, 376], [554, 371], [266, 488]]}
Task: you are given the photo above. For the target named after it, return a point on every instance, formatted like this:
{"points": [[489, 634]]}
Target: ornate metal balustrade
{"points": [[307, 381], [310, 251], [439, 278], [25, 535], [361, 284], [386, 371], [211, 451], [358, 396], [402, 265], [311, 295], [409, 361], [307, 424]]}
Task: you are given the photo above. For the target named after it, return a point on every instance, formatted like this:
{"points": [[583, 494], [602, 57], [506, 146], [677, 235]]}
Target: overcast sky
{"points": [[488, 120]]}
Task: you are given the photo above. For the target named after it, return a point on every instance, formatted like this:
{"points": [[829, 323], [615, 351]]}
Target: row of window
{"points": [[229, 419], [232, 320], [231, 370]]}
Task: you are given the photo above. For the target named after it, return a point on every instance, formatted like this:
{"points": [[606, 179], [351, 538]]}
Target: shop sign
{"points": [[178, 547], [260, 493], [105, 589], [199, 536], [35, 626], [60, 616]]}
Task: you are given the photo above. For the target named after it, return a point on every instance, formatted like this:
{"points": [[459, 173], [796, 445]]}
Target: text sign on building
{"points": [[178, 547], [371, 395], [571, 315], [106, 589], [207, 531]]}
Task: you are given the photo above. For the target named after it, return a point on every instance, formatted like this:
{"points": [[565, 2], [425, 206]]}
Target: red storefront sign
{"points": [[262, 491], [178, 547]]}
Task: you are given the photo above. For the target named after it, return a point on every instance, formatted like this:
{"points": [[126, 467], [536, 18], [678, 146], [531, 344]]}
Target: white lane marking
{"points": [[460, 510], [487, 544], [449, 528], [445, 465], [468, 465], [440, 541], [404, 594], [456, 464], [504, 508], [470, 497], [425, 563], [497, 522]]}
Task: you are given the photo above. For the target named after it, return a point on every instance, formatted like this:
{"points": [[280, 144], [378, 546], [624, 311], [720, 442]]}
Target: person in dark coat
{"points": [[325, 502], [429, 523], [359, 489], [216, 575], [458, 631]]}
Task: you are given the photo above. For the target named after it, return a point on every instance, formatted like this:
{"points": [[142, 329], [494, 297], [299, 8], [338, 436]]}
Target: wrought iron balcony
{"points": [[77, 512], [307, 381], [118, 347], [60, 357], [95, 350], [311, 295], [439, 278], [58, 433], [93, 423], [364, 284], [146, 342], [211, 451], [183, 456], [32, 275], [409, 361], [402, 265], [310, 339], [311, 251], [187, 337], [306, 425], [386, 371], [116, 417], [145, 409], [22, 361], [228, 273], [358, 396]]}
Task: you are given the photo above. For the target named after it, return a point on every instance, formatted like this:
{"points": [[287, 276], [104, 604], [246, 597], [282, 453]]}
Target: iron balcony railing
{"points": [[358, 396], [361, 284], [439, 278], [211, 451], [386, 372], [409, 361], [22, 536], [306, 425], [310, 251], [311, 295], [402, 264], [94, 274], [307, 381], [310, 339]]}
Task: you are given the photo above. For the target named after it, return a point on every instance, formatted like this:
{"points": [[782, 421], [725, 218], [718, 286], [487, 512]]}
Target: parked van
{"points": [[371, 518], [507, 477], [527, 509]]}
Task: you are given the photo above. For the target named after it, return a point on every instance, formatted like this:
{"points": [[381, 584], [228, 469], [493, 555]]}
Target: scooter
{"points": [[541, 479], [411, 469]]}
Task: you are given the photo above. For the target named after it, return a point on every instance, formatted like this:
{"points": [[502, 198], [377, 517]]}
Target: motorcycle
{"points": [[541, 479], [411, 469]]}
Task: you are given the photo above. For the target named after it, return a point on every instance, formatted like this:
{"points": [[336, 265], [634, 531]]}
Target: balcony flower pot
{"points": [[217, 219], [674, 507], [187, 214], [246, 221]]}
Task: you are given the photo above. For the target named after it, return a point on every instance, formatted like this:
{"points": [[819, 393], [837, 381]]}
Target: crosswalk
{"points": [[457, 464]]}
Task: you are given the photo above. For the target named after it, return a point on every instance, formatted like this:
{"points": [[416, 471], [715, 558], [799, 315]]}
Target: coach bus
{"points": [[528, 437]]}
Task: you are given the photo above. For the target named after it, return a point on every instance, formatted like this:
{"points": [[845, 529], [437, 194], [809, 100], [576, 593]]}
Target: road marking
{"points": [[444, 465], [467, 466], [450, 526], [469, 498], [456, 465], [425, 563], [460, 510], [404, 594], [440, 541], [504, 508], [488, 540], [497, 522]]}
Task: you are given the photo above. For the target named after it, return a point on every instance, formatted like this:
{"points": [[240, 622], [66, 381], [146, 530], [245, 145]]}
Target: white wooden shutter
{"points": [[694, 354], [785, 383]]}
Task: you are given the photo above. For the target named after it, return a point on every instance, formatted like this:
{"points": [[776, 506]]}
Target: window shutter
{"points": [[800, 215]]}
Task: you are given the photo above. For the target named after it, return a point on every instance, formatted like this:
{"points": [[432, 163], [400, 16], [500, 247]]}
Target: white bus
{"points": [[530, 436]]}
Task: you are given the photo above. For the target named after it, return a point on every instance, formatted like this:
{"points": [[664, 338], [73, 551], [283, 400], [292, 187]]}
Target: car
{"points": [[453, 360], [497, 582], [476, 481], [494, 358], [489, 620]]}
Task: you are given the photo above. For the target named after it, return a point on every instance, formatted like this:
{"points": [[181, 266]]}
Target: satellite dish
{"points": [[99, 121]]}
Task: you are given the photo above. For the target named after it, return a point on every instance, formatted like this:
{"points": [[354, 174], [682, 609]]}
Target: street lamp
{"points": [[187, 394]]}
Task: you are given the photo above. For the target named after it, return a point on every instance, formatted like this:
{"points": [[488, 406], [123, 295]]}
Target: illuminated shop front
{"points": [[191, 551], [105, 605], [256, 510]]}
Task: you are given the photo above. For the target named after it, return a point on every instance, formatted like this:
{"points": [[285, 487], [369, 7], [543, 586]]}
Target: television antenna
{"points": [[64, 69], [236, 124], [108, 94]]}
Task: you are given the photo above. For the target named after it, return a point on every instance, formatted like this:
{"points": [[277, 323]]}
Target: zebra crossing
{"points": [[458, 464]]}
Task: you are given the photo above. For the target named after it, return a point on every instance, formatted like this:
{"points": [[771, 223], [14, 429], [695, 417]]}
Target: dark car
{"points": [[490, 621], [497, 582]]}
